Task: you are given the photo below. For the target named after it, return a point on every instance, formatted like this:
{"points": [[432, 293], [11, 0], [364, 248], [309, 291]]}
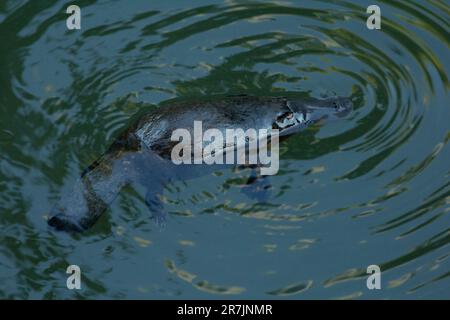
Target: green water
{"points": [[373, 189]]}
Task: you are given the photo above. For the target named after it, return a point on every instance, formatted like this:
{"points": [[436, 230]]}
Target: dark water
{"points": [[373, 189]]}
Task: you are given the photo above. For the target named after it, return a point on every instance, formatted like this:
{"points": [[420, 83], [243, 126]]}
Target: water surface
{"points": [[373, 189]]}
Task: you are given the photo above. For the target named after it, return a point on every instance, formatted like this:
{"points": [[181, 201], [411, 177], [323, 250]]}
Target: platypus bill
{"points": [[142, 153]]}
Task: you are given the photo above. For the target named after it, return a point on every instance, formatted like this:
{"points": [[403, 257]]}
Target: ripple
{"points": [[292, 289], [203, 285]]}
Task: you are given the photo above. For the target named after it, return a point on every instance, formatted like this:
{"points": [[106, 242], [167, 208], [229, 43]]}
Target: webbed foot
{"points": [[156, 207], [257, 188], [62, 222]]}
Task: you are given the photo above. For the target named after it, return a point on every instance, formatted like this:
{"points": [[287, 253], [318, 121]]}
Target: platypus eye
{"points": [[284, 120]]}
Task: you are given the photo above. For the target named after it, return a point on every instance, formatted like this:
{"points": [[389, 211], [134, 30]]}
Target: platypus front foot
{"points": [[257, 187], [67, 223], [259, 190], [156, 207]]}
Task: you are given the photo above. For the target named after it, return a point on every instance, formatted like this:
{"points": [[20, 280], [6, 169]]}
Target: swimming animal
{"points": [[142, 153]]}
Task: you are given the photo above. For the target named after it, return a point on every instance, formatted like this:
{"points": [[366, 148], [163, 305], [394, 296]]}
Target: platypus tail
{"points": [[96, 189]]}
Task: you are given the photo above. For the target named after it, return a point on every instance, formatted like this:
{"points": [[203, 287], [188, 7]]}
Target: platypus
{"points": [[142, 153]]}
